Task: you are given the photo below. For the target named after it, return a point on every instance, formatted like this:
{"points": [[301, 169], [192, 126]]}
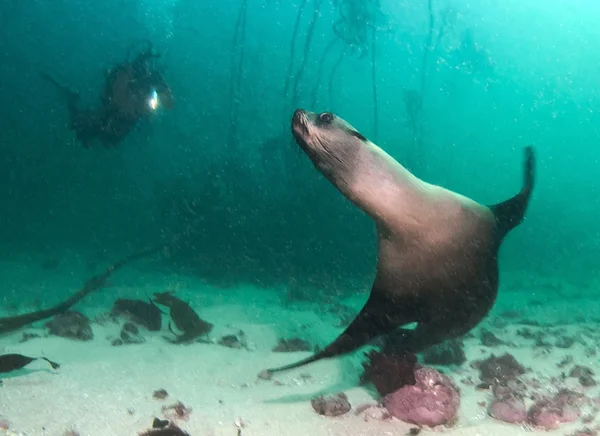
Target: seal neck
{"points": [[388, 192]]}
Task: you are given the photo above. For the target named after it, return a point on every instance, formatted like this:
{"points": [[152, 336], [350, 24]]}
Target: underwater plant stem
{"points": [[307, 44], [235, 85], [374, 84], [441, 33], [288, 76], [334, 69], [418, 122], [12, 323], [320, 71], [425, 60]]}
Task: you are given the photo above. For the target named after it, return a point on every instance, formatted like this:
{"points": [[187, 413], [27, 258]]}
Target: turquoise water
{"points": [[452, 89], [501, 76]]}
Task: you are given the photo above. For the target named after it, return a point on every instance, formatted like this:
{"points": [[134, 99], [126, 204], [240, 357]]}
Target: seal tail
{"points": [[510, 213]]}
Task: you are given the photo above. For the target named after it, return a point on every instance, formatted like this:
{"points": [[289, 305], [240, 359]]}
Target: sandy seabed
{"points": [[103, 390]]}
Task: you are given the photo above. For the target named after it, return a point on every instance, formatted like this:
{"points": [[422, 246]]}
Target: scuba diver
{"points": [[132, 91]]}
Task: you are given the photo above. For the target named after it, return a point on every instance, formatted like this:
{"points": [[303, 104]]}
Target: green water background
{"points": [[262, 214]]}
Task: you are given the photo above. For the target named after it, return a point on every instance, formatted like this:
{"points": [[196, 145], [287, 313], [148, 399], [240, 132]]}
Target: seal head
{"points": [[437, 263], [330, 142]]}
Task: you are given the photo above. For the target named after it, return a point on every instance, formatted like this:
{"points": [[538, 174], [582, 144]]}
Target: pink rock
{"points": [[550, 414], [511, 410], [433, 400]]}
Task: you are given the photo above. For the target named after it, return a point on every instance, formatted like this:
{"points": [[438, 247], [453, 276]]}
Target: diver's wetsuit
{"points": [[125, 101]]}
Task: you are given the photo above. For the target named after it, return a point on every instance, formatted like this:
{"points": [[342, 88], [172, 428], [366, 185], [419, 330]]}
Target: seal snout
{"points": [[300, 124], [299, 114]]}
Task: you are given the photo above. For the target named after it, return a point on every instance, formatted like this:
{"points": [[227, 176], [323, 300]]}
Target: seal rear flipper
{"points": [[377, 317], [510, 213]]}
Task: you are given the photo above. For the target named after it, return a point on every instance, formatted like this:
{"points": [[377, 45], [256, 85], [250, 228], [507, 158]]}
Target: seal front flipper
{"points": [[511, 212], [373, 320]]}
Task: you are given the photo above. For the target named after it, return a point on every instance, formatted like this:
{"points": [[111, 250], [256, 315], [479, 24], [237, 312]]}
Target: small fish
{"points": [[12, 362]]}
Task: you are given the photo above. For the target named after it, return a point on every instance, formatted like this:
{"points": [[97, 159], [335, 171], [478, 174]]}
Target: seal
{"points": [[437, 260]]}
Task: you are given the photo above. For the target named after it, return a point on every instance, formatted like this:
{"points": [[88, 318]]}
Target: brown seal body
{"points": [[437, 250]]}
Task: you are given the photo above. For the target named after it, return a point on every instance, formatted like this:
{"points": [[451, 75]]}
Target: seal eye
{"points": [[326, 117]]}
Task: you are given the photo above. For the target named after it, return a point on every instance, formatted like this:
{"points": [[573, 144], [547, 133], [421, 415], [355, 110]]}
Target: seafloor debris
{"points": [[564, 342], [239, 425], [160, 423], [529, 402], [567, 360], [584, 374], [585, 432], [488, 339], [71, 325], [265, 375], [508, 404], [170, 430], [292, 345], [447, 353], [177, 411], [499, 369], [550, 413], [164, 428], [143, 313], [160, 394], [130, 334], [27, 336], [331, 406], [184, 317], [237, 341]]}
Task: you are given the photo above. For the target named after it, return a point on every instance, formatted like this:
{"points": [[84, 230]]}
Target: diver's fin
{"points": [[510, 213], [72, 96], [52, 80]]}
